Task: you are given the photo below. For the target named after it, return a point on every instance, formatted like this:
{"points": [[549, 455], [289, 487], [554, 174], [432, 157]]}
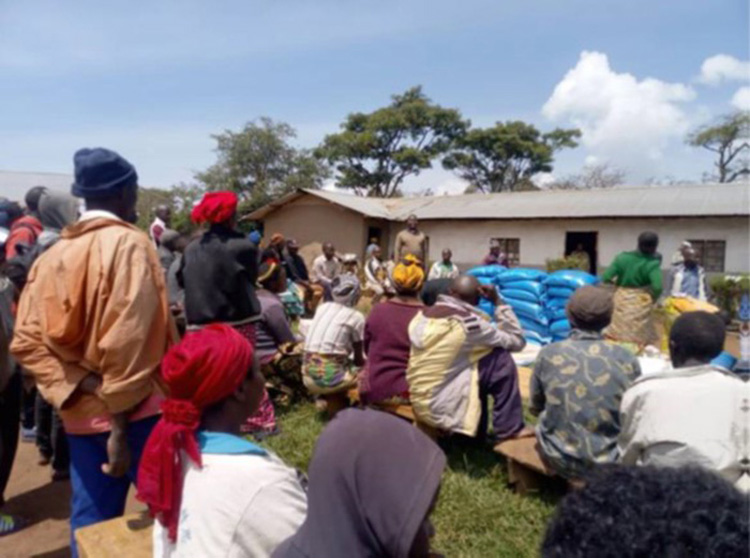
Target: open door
{"points": [[586, 241]]}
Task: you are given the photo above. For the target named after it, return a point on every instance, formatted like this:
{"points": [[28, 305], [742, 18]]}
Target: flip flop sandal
{"points": [[10, 524]]}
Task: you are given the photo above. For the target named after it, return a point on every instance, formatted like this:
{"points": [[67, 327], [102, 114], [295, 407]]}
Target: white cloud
{"points": [[623, 120], [741, 99], [723, 67]]}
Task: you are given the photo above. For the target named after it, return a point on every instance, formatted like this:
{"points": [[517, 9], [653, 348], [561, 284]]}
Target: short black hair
{"points": [[33, 196], [631, 512], [648, 242], [698, 335]]}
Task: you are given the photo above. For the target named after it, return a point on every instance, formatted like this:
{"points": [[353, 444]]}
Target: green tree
{"points": [[375, 152], [729, 139], [259, 164], [180, 198], [505, 157]]}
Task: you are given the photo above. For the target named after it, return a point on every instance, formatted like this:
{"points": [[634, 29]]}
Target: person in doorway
{"points": [[162, 221], [411, 241], [688, 278], [637, 275], [496, 256], [374, 481], [212, 492], [325, 269], [333, 346], [377, 278], [694, 414], [25, 230], [97, 362], [453, 345], [374, 243], [583, 256], [577, 386], [386, 341], [445, 268], [219, 273]]}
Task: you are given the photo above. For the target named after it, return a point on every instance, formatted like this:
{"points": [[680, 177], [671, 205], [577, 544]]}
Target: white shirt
{"points": [[688, 416], [440, 271], [98, 214], [334, 330], [237, 505]]}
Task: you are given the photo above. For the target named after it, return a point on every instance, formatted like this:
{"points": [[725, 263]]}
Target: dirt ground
{"points": [[46, 504]]}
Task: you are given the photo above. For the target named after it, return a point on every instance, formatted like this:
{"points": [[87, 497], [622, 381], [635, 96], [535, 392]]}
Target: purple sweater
{"points": [[387, 346]]}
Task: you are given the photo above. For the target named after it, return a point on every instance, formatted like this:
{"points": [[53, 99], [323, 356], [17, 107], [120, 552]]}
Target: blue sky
{"points": [[153, 80]]}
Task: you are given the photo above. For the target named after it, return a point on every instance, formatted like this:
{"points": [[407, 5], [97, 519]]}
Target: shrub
{"points": [[728, 289], [567, 262]]}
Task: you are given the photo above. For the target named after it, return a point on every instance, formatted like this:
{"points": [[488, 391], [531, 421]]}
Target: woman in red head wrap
{"points": [[195, 466], [219, 272]]}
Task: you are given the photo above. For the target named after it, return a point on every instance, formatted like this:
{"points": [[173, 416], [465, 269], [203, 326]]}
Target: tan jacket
{"points": [[95, 302]]}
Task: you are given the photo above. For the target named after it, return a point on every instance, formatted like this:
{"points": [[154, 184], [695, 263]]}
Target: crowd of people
{"points": [[159, 361]]}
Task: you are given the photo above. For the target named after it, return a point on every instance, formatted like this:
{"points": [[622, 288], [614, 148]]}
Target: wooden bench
{"points": [[125, 537], [526, 470]]}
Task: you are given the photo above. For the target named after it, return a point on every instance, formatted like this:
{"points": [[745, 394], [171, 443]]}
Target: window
{"points": [[711, 253], [511, 247]]}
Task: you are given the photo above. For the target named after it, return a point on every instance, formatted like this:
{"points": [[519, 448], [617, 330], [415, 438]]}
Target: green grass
{"points": [[477, 515]]}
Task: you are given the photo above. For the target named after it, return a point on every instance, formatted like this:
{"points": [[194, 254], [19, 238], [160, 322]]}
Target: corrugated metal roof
{"points": [[14, 185]]}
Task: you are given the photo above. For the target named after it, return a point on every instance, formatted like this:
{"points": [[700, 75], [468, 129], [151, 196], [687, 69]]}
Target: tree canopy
{"points": [[259, 164], [592, 177], [375, 152], [503, 158], [729, 139]]}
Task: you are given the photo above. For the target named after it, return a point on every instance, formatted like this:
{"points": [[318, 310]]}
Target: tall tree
{"points": [[730, 140], [592, 177], [505, 157], [259, 164], [375, 152]]}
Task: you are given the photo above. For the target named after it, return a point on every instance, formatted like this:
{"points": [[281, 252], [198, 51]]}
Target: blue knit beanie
{"points": [[101, 173]]}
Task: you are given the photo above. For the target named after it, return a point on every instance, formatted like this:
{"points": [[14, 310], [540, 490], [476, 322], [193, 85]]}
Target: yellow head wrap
{"points": [[408, 275]]}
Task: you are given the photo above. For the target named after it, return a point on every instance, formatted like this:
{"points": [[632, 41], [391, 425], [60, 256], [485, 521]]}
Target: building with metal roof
{"points": [[532, 226]]}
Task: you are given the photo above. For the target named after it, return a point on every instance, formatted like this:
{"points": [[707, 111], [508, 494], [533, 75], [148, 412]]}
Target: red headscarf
{"points": [[215, 207], [207, 366]]}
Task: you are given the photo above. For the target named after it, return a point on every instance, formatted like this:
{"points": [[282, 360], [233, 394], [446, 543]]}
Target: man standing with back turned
{"points": [[93, 325]]}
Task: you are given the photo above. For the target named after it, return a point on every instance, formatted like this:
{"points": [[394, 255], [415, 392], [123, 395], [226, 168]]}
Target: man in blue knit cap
{"points": [[93, 325]]}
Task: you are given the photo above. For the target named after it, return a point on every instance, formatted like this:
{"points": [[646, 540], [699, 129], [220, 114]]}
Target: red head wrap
{"points": [[207, 366], [215, 207]]}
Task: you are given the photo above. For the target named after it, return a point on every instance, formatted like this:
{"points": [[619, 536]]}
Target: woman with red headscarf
{"points": [[219, 271], [211, 492]]}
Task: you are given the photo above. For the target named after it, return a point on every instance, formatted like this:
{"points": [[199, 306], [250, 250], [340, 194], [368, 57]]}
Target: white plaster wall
{"points": [[545, 239]]}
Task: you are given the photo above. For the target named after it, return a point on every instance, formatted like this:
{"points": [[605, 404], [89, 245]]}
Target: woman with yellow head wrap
{"points": [[408, 276]]}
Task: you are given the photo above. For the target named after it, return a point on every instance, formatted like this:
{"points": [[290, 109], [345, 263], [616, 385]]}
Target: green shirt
{"points": [[636, 270]]}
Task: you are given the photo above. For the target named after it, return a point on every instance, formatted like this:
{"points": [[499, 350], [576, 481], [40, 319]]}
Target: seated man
{"points": [[325, 268], [695, 414], [577, 386], [631, 512], [213, 493], [458, 357]]}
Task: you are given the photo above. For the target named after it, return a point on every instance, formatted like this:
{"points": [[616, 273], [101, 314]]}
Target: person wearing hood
{"points": [[373, 483], [92, 327]]}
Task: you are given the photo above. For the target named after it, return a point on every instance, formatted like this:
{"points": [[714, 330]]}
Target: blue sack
{"points": [[486, 271], [560, 327], [487, 307], [536, 327], [557, 338], [521, 274], [555, 303], [535, 288], [571, 278], [521, 294], [557, 314], [535, 338], [486, 280], [529, 310], [560, 292]]}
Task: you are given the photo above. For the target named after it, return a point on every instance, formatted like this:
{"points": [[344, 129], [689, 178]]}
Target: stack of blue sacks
{"points": [[487, 275], [524, 290], [560, 285]]}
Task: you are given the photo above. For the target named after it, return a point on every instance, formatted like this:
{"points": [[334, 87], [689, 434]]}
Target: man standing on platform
{"points": [[411, 241], [93, 324]]}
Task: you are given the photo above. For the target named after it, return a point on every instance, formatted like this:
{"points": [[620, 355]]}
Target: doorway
{"points": [[587, 241]]}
